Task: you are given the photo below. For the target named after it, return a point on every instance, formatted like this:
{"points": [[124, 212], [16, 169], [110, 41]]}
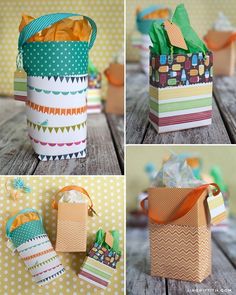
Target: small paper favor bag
{"points": [[57, 81], [180, 91], [72, 219], [100, 264], [181, 71], [26, 232], [179, 231]]}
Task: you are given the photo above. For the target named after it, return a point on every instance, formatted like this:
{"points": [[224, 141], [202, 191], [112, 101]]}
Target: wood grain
{"points": [[138, 279], [116, 126], [225, 94], [105, 146], [139, 130], [226, 241], [138, 267]]}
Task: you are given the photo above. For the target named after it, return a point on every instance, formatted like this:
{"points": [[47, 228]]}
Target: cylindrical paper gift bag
{"points": [[72, 221], [27, 233], [179, 231], [57, 79]]}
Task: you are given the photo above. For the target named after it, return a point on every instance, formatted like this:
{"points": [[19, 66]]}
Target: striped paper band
{"points": [[180, 119], [181, 91]]}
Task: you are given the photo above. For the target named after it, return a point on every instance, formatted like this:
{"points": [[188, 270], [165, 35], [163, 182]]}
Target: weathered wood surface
{"points": [[140, 131], [105, 155], [225, 94], [139, 282]]}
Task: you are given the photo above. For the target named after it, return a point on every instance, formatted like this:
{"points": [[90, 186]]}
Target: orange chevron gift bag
{"points": [[179, 232]]}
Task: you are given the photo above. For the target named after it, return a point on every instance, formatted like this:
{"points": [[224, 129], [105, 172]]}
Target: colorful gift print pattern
{"points": [[101, 254], [41, 259], [94, 97], [180, 91], [96, 273], [99, 266], [109, 204], [56, 116]]}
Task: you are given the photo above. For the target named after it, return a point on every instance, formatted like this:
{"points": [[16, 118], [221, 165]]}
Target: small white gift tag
{"points": [[216, 208]]}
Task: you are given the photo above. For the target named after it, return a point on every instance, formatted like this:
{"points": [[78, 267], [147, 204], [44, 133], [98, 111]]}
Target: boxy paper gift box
{"points": [[72, 219], [100, 264], [180, 76], [115, 91], [179, 232]]}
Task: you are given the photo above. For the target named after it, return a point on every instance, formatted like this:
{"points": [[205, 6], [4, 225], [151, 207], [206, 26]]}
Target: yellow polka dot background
{"points": [[108, 15], [202, 14], [107, 194]]}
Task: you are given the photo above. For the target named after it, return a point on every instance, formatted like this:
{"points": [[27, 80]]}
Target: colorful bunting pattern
{"points": [[58, 144], [56, 129], [56, 111], [57, 92], [80, 154]]}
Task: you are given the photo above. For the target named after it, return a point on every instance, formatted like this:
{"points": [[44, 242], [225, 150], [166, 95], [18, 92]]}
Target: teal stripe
{"points": [[57, 92], [182, 105], [20, 86], [96, 271]]}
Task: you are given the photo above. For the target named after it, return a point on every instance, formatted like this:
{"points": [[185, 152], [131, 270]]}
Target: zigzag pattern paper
{"points": [[180, 252]]}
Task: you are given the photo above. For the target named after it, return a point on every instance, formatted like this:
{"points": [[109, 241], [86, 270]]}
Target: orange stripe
{"points": [[219, 218], [56, 111], [38, 254]]}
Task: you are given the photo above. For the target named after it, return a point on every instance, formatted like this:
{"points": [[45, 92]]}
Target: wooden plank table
{"points": [[140, 131], [222, 280], [105, 146]]}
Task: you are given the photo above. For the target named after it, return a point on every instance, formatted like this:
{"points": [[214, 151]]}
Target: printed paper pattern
{"points": [[41, 259], [180, 91], [96, 273], [56, 116], [217, 208], [180, 252]]}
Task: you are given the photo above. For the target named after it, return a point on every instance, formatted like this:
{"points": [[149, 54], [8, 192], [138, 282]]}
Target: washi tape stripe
{"points": [[38, 254], [57, 92], [62, 129], [96, 271], [176, 106], [180, 119], [45, 242], [56, 111], [180, 92], [58, 144], [47, 270], [93, 278], [43, 263]]}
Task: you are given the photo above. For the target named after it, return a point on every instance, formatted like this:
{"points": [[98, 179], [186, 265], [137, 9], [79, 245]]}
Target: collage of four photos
{"points": [[117, 147]]}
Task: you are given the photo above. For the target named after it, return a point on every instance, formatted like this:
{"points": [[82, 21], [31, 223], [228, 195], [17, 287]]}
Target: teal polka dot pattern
{"points": [[55, 58], [26, 231]]}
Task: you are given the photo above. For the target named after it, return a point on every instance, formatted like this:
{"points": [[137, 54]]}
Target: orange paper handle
{"points": [[187, 204], [70, 188], [213, 46]]}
